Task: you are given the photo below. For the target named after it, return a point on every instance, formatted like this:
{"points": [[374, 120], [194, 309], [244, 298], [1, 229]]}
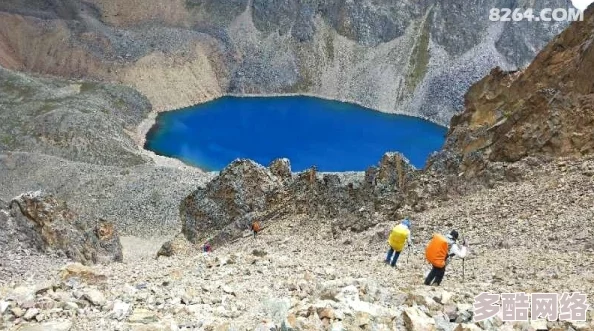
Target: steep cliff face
{"points": [[416, 57], [546, 109]]}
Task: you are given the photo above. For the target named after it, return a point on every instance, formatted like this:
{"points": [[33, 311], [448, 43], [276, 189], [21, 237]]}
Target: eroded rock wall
{"points": [[414, 57]]}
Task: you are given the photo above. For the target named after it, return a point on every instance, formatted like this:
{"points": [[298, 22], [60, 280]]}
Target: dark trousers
{"points": [[435, 276], [389, 259]]}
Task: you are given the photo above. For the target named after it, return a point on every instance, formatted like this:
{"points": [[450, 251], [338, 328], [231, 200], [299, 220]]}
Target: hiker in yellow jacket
{"points": [[398, 237]]}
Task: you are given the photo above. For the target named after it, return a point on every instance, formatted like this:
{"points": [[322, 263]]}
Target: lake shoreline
{"points": [[144, 127], [308, 105]]}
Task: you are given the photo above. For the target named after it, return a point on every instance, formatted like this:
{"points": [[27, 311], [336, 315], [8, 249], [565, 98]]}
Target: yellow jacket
{"points": [[398, 237]]}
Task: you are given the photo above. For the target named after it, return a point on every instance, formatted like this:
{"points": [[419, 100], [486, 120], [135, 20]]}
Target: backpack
{"points": [[437, 251], [398, 237], [256, 227]]}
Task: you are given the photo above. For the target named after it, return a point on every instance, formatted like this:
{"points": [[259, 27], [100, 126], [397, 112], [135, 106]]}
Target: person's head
{"points": [[406, 223], [454, 235]]}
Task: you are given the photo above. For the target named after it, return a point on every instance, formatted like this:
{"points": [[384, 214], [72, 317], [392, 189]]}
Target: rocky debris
{"points": [[237, 286], [84, 122], [141, 200], [78, 141], [81, 272], [48, 326], [95, 297], [38, 220], [179, 245], [416, 320]]}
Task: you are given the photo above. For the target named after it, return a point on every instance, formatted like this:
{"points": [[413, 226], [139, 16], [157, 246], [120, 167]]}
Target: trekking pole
{"points": [[463, 245], [407, 253]]}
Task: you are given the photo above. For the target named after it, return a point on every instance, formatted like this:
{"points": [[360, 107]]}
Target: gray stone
{"points": [[120, 309], [17, 312], [95, 297], [48, 326], [464, 313], [4, 306], [416, 320], [31, 312], [143, 316], [71, 306], [451, 311]]}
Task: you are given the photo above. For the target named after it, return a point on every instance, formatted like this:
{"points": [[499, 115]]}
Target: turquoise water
{"points": [[334, 136]]}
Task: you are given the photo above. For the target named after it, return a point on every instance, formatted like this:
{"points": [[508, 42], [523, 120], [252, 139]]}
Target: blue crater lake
{"points": [[334, 136]]}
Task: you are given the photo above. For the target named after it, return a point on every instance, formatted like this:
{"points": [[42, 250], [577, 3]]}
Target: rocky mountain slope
{"points": [[527, 235], [516, 178], [415, 57], [76, 139], [544, 111]]}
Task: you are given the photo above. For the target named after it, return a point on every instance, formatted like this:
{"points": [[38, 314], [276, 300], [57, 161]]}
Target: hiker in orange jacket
{"points": [[399, 235], [256, 227], [439, 252]]}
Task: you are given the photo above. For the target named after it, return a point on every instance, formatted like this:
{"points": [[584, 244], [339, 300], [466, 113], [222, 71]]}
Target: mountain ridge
{"points": [[390, 57]]}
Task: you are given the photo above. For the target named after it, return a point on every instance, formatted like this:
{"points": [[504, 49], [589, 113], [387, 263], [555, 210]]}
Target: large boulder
{"points": [[179, 245], [241, 188], [40, 221]]}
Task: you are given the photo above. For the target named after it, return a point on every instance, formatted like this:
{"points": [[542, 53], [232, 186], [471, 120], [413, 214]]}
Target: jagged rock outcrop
{"points": [[37, 220], [281, 168], [239, 189], [245, 191], [394, 171], [545, 110], [416, 57]]}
